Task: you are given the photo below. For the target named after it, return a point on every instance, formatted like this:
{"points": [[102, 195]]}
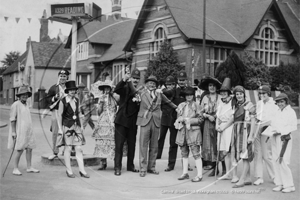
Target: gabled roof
{"points": [[229, 21], [291, 13], [50, 55], [14, 67]]}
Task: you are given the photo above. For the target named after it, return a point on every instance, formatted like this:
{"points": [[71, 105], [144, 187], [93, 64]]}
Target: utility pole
{"points": [[204, 33]]}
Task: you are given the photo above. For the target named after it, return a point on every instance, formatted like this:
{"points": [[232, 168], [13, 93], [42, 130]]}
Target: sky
{"points": [[13, 34]]}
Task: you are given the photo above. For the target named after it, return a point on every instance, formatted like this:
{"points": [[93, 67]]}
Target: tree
{"points": [[165, 63], [10, 58]]}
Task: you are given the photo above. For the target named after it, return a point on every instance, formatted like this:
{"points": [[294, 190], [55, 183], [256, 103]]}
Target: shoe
{"points": [[52, 157], [197, 179], [32, 170], [289, 189], [142, 174], [150, 171], [238, 186], [103, 167], [208, 167], [278, 188], [213, 173], [84, 175], [169, 169], [184, 176], [70, 175], [258, 181], [16, 172], [248, 183], [235, 180], [118, 172], [133, 170]]}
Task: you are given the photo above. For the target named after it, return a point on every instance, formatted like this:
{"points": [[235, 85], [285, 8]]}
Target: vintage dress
{"points": [[189, 134], [209, 143], [25, 137], [72, 133], [241, 131], [104, 133], [224, 114]]}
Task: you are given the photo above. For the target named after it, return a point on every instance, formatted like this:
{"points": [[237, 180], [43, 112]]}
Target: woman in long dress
{"points": [[224, 127], [209, 104], [105, 129], [242, 138]]}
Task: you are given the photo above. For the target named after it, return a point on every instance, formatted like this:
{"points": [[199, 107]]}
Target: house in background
{"points": [[100, 46], [268, 30], [38, 66]]}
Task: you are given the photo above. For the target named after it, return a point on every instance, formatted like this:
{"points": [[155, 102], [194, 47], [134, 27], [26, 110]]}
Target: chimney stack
{"points": [[116, 9], [44, 28], [28, 43]]}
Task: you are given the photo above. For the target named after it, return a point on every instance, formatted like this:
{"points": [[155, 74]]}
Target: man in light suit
{"points": [[149, 118]]}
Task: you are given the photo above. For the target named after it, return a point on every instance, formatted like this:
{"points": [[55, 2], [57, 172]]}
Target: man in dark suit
{"points": [[125, 121], [168, 119], [149, 119], [55, 94]]}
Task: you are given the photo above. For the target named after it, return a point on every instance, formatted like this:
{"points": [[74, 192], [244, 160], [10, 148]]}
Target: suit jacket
{"points": [[54, 89], [128, 110], [151, 108]]}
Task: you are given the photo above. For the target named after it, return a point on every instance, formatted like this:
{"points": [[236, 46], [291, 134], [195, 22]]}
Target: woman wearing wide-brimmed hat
{"points": [[21, 136], [242, 136], [283, 123], [210, 105], [224, 126], [70, 129], [104, 133]]}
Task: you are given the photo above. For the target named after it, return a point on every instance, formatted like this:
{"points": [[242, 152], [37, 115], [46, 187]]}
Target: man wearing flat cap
{"points": [[55, 94], [125, 121], [149, 119]]}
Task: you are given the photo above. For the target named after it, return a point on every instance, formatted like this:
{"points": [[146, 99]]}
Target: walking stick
{"points": [[218, 152], [15, 140]]}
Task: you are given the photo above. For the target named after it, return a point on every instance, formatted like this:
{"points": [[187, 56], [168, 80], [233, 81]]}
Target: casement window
{"points": [[85, 79], [118, 72], [158, 38], [82, 51], [267, 46]]}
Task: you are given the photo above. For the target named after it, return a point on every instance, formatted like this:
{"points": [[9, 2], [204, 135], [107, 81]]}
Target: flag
{"points": [[29, 20], [6, 18], [17, 19]]}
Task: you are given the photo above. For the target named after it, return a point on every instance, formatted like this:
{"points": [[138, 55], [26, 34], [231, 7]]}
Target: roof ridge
{"points": [[292, 10]]}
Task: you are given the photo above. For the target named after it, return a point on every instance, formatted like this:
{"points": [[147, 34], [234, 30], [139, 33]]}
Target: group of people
{"points": [[223, 126]]}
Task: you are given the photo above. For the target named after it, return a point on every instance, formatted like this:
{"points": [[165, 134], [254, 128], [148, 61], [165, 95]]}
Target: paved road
{"points": [[52, 182]]}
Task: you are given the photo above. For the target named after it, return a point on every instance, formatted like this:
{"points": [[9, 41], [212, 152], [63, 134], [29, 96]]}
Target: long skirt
{"points": [[209, 144]]}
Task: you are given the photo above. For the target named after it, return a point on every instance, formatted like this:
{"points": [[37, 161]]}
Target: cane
{"points": [[10, 156], [218, 152]]}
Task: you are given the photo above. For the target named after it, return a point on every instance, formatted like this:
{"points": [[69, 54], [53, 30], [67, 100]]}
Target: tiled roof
{"points": [[51, 55], [14, 67], [291, 12]]}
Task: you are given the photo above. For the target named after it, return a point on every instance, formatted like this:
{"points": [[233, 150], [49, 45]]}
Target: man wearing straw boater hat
{"points": [[55, 94], [21, 136], [125, 121], [149, 119]]}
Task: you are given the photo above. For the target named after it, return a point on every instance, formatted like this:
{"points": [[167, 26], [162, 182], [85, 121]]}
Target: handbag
{"points": [[250, 151]]}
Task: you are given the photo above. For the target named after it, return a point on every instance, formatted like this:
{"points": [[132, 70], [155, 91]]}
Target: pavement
{"points": [[52, 182]]}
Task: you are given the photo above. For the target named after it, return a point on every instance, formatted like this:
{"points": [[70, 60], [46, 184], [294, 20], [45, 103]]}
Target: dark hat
{"points": [[136, 73], [182, 75], [189, 91], [207, 80], [170, 80], [226, 85], [64, 71], [25, 89], [282, 96], [264, 89], [152, 78], [70, 85], [239, 88]]}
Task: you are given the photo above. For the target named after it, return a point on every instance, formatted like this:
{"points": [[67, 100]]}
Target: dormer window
{"points": [[158, 37], [82, 51]]}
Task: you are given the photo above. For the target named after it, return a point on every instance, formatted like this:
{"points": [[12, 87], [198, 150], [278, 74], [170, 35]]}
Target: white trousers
{"points": [[263, 153], [283, 174]]}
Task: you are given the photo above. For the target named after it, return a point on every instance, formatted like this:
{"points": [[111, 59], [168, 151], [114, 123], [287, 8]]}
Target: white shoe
{"points": [[52, 157], [32, 170], [17, 172], [259, 181], [278, 188], [289, 189], [235, 180]]}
